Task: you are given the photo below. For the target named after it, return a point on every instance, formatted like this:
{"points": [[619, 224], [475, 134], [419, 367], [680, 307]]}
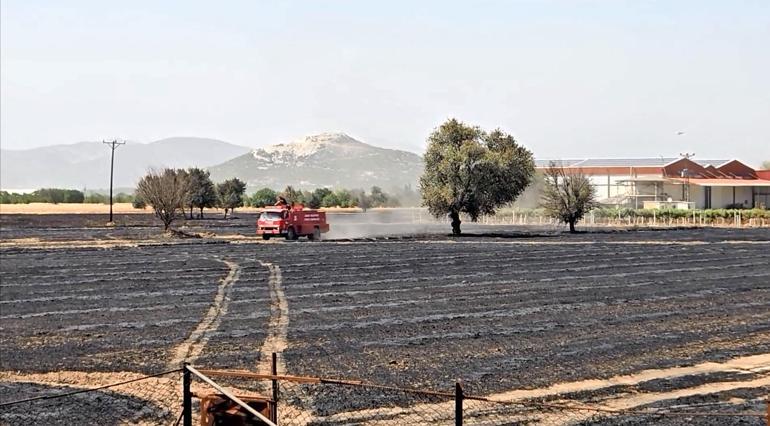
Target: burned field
{"points": [[554, 315]]}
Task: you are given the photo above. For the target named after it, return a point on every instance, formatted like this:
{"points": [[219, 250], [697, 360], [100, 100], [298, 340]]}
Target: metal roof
{"points": [[723, 182], [715, 163], [559, 162], [644, 179], [624, 162]]}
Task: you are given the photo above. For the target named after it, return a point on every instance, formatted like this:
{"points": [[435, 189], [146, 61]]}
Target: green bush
{"points": [[122, 197], [756, 214], [43, 195], [96, 198], [138, 203], [709, 215], [261, 198]]}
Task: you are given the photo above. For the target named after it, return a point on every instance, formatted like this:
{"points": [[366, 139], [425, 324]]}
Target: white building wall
{"points": [[743, 195], [673, 191], [610, 186], [618, 185], [698, 196], [721, 196]]}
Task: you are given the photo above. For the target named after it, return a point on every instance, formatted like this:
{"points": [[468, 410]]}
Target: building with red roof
{"points": [[673, 182]]}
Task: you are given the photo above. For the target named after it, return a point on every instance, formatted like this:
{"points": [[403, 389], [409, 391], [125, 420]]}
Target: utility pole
{"points": [[114, 144], [686, 176]]}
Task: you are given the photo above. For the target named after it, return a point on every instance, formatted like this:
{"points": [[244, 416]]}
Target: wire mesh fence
{"points": [[330, 402], [213, 397], [616, 217], [636, 218], [318, 401], [143, 400], [480, 411]]}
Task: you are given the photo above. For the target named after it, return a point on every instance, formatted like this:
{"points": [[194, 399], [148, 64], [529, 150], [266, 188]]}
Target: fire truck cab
{"points": [[291, 222]]}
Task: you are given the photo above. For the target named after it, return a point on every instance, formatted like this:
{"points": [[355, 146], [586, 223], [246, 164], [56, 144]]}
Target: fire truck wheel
{"points": [[291, 234], [265, 237]]}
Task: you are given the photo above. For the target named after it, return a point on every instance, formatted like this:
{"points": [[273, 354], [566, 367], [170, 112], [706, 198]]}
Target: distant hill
{"points": [[324, 160], [87, 164]]}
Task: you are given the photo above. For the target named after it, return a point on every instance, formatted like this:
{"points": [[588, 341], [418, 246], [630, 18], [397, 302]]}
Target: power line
{"points": [[114, 144]]}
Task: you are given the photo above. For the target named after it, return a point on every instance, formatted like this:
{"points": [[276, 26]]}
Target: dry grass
{"points": [[117, 208], [68, 208]]}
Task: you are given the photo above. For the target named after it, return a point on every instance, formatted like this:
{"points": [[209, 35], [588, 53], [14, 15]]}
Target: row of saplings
{"points": [[467, 171]]}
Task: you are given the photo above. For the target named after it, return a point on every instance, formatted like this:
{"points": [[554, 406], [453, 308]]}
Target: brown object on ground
{"points": [[217, 410]]}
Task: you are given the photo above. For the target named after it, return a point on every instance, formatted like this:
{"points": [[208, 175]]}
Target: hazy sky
{"points": [[567, 78]]}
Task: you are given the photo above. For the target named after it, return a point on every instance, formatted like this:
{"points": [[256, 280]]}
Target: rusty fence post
{"points": [[186, 397], [274, 372], [459, 404]]}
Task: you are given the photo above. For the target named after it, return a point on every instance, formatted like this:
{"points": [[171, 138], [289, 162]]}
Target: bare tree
{"points": [[567, 195], [165, 192]]}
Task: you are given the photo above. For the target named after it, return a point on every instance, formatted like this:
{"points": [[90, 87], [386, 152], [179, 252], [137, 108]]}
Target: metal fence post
{"points": [[186, 397], [458, 404], [274, 372]]}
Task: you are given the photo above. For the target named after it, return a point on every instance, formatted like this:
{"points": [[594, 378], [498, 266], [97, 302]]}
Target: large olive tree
{"points": [[470, 171], [568, 194]]}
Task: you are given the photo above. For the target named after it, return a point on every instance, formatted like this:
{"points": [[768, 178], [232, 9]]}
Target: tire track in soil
{"points": [[633, 401], [278, 325], [753, 364], [277, 341], [191, 348]]}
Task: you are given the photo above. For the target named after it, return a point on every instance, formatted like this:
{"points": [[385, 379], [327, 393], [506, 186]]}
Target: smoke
{"points": [[383, 223], [417, 222]]}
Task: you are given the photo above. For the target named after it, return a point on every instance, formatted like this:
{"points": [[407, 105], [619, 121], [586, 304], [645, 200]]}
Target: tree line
{"points": [[325, 197], [59, 195], [180, 192]]}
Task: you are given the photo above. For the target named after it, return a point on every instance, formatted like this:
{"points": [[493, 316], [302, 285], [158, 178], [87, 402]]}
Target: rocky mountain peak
{"points": [[323, 160], [306, 146]]}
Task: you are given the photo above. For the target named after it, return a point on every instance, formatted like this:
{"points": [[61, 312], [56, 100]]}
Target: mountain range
{"points": [[333, 160], [87, 164], [327, 159]]}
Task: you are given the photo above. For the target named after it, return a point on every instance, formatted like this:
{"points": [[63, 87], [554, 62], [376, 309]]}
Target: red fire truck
{"points": [[291, 222]]}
